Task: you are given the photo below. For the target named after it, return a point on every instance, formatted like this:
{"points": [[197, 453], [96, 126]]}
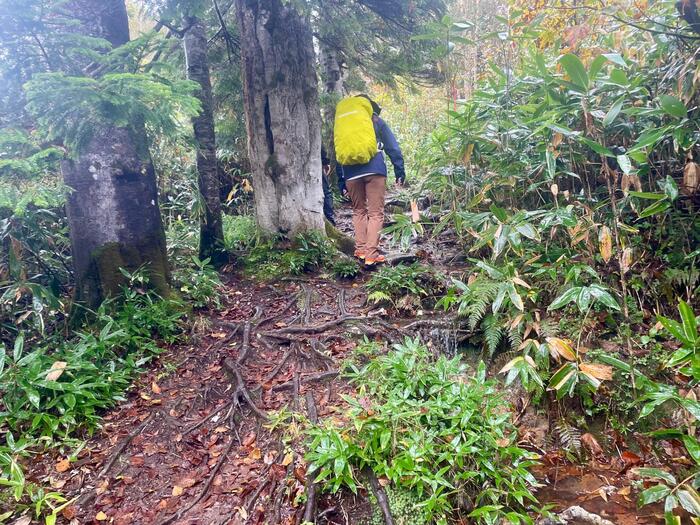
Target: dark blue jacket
{"points": [[376, 166]]}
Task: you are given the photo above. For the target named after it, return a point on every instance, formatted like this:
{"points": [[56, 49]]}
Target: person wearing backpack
{"points": [[361, 139]]}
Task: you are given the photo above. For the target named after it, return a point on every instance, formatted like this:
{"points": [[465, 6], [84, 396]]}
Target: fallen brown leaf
{"points": [[63, 465], [591, 443]]}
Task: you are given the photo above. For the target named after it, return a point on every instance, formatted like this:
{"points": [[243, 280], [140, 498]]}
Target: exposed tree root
{"points": [[306, 310], [240, 391], [205, 489], [315, 378], [342, 308], [312, 329], [125, 443], [279, 314], [311, 486], [379, 493], [449, 321], [245, 346], [213, 413], [281, 364]]}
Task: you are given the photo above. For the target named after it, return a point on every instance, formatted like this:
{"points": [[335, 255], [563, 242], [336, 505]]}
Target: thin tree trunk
{"points": [[211, 233], [113, 212], [282, 116]]}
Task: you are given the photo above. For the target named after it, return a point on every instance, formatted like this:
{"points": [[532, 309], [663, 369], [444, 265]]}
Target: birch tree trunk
{"points": [[211, 233], [282, 116], [113, 212]]}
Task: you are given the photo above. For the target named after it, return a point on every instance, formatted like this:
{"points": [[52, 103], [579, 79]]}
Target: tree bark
{"points": [[211, 233], [282, 116], [113, 212]]}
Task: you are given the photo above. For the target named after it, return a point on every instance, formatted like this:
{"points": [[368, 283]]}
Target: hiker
{"points": [[361, 137], [327, 194]]}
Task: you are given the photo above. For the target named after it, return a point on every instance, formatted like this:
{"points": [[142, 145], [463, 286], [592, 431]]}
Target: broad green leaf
{"points": [[551, 164], [613, 112], [619, 77], [693, 448], [616, 58], [576, 71], [596, 66], [654, 494], [690, 327], [565, 298], [670, 188], [33, 396], [657, 207], [19, 347], [648, 138], [515, 297], [657, 473], [673, 106], [625, 163], [598, 148], [690, 500], [647, 195]]}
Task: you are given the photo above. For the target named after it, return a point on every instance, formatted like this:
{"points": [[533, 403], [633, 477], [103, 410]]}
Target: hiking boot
{"points": [[360, 255], [380, 259]]}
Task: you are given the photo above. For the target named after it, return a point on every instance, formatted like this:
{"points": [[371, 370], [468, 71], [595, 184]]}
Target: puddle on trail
{"points": [[600, 492]]}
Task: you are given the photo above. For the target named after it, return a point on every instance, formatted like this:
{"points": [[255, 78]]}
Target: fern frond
{"points": [[493, 332], [569, 436]]}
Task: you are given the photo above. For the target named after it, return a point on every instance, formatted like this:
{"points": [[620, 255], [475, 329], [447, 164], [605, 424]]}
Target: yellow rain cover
{"points": [[353, 132]]}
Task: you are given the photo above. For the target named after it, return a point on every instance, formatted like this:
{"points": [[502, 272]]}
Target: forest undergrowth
{"points": [[530, 354]]}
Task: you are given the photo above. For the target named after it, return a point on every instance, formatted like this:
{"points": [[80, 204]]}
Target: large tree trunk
{"points": [[211, 233], [113, 212], [332, 73], [282, 115]]}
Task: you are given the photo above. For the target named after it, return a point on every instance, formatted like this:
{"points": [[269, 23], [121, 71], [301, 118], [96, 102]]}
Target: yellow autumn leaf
{"points": [[101, 516], [602, 372], [56, 370], [177, 490], [561, 347], [605, 243]]}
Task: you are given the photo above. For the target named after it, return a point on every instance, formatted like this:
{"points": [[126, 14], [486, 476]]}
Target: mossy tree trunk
{"points": [[112, 209], [211, 233], [282, 116]]}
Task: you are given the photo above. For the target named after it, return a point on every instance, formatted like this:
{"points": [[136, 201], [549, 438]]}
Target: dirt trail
{"points": [[194, 443]]}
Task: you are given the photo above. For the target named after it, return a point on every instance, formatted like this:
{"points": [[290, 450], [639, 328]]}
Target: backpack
{"points": [[353, 133]]}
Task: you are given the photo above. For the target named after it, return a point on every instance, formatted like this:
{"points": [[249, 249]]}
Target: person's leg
{"points": [[375, 188], [327, 200], [358, 197]]}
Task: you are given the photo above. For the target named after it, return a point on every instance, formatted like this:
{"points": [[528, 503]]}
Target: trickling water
{"points": [[444, 340]]}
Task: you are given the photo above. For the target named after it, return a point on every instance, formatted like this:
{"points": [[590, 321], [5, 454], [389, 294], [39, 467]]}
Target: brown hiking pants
{"points": [[367, 196]]}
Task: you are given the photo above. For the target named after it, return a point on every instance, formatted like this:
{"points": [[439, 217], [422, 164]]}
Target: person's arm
{"points": [[341, 178], [392, 149]]}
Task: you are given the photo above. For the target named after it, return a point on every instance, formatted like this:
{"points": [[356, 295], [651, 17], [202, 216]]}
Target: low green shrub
{"points": [[240, 232], [200, 283], [345, 268], [404, 286], [432, 430], [306, 253], [53, 390]]}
